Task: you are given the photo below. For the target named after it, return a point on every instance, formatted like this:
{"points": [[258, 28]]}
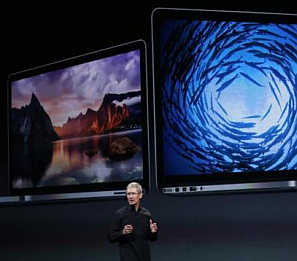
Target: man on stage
{"points": [[133, 227]]}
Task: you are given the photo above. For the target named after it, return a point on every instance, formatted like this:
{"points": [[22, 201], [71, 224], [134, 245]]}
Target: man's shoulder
{"points": [[122, 210], [126, 209], [145, 211]]}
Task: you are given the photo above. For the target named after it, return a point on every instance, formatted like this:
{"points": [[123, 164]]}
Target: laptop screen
{"points": [[79, 125], [226, 89]]}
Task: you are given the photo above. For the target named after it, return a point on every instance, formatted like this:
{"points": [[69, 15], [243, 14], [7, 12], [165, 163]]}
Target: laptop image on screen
{"points": [[78, 127], [225, 100]]}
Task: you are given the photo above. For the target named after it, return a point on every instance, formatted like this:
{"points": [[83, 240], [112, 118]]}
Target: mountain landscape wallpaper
{"points": [[78, 125]]}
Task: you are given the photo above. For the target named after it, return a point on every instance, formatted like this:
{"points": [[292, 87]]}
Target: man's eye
{"points": [[131, 194]]}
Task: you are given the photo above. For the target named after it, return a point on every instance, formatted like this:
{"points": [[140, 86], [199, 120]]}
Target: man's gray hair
{"points": [[135, 185]]}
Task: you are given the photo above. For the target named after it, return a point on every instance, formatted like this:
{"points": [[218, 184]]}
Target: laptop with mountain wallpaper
{"points": [[79, 126]]}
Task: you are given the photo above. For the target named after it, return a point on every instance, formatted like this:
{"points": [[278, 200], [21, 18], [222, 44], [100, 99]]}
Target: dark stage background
{"points": [[250, 226]]}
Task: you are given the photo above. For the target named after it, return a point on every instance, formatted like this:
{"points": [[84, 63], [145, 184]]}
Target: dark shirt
{"points": [[133, 246]]}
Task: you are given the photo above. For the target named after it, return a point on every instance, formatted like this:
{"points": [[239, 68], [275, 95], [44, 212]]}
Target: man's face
{"points": [[133, 196]]}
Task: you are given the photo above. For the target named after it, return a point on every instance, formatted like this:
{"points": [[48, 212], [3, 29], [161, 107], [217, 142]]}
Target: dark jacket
{"points": [[134, 246]]}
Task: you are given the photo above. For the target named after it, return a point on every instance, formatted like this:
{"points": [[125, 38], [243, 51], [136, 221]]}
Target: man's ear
{"points": [[141, 195]]}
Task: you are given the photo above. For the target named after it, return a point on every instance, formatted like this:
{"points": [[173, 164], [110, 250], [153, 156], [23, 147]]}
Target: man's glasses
{"points": [[132, 193]]}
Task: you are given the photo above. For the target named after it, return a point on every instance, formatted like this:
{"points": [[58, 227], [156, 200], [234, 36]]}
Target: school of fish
{"points": [[205, 61]]}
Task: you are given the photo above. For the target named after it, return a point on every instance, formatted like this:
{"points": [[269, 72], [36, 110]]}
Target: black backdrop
{"points": [[251, 226]]}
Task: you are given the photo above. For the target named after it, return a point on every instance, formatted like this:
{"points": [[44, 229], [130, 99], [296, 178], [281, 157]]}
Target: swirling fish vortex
{"points": [[229, 96]]}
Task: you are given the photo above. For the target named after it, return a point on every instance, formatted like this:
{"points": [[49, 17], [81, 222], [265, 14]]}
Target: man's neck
{"points": [[135, 207]]}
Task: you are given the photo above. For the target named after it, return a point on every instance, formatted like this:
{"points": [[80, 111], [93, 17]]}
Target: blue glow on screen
{"points": [[229, 94]]}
